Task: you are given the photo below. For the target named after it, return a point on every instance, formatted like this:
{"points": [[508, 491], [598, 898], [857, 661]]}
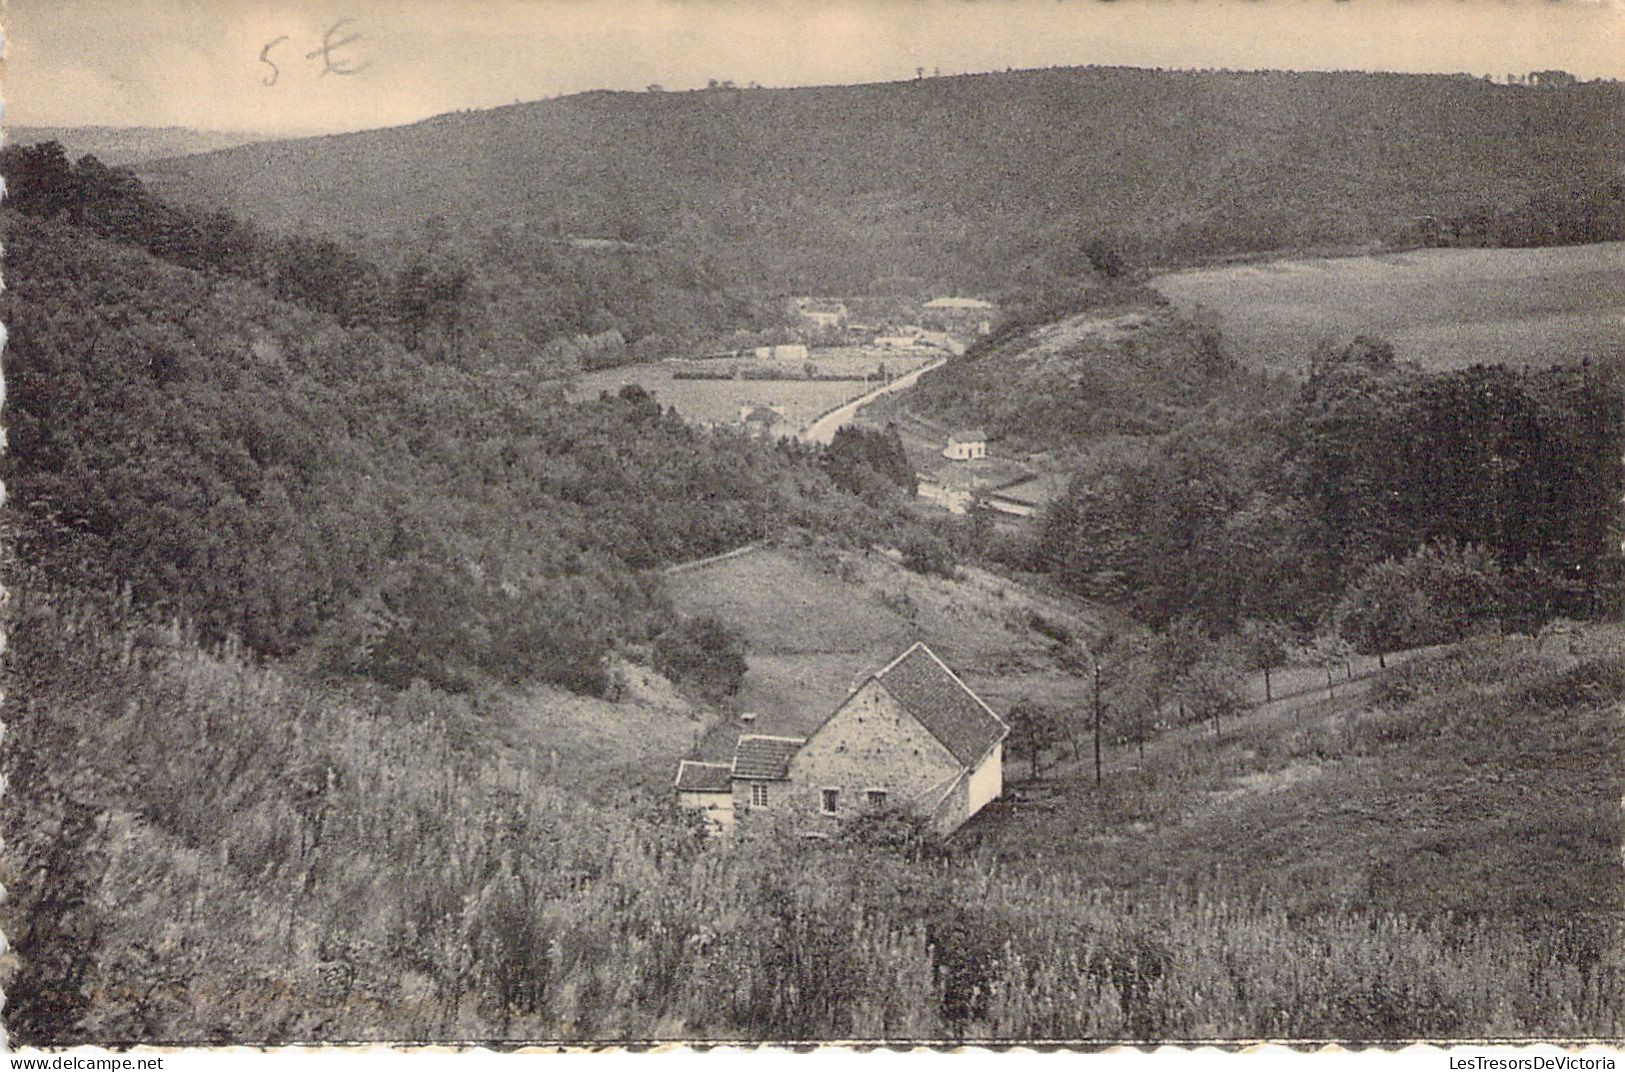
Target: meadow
{"points": [[1440, 308], [718, 401], [815, 621]]}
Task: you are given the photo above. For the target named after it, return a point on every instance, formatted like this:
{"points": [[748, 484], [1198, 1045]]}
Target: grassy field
{"points": [[1434, 787], [816, 621], [707, 401], [1441, 308]]}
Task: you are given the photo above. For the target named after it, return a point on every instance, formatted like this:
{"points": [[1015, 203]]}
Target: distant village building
{"points": [[962, 315], [761, 420], [942, 341], [823, 313], [966, 445], [911, 735], [906, 337]]}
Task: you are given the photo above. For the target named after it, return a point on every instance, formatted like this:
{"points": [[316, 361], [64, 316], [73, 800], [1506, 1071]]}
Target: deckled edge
{"points": [[5, 593]]}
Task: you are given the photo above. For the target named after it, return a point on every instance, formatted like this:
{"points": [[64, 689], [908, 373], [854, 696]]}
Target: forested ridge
{"points": [[1273, 511]]}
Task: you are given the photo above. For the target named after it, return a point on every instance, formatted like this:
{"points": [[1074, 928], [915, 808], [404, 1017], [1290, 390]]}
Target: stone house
{"points": [[911, 735]]}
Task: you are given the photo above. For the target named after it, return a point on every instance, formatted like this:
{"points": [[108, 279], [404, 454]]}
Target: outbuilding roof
{"points": [[958, 303], [761, 758], [696, 777], [968, 435], [943, 704]]}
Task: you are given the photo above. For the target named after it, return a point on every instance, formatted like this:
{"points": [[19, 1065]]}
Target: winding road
{"points": [[823, 429]]}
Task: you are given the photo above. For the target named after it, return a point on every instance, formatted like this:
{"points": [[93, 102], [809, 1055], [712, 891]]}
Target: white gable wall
{"points": [[986, 781]]}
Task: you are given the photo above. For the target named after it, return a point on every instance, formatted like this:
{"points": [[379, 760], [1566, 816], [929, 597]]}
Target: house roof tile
{"points": [[943, 704], [758, 757]]}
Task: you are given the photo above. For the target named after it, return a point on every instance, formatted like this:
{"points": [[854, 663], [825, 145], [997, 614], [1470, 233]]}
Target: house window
{"points": [[758, 794], [877, 798], [831, 801]]}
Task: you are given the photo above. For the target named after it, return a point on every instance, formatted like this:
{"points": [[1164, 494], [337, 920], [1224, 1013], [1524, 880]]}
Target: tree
{"points": [[1326, 651], [1437, 594], [1034, 727], [1105, 258], [1263, 647], [1102, 657], [1213, 688]]}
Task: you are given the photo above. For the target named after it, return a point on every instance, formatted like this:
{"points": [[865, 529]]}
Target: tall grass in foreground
{"points": [[203, 849]]}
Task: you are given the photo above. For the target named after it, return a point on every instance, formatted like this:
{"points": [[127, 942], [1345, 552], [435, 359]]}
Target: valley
{"points": [[394, 512]]}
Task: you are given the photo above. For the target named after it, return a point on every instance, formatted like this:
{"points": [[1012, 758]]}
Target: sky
{"points": [[259, 65]]}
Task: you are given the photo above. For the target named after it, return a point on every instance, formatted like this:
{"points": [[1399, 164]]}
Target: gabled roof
{"points": [[968, 435], [696, 777], [958, 303], [761, 758], [943, 704]]}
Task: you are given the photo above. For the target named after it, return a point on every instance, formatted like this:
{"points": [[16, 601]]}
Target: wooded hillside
{"points": [[259, 468], [963, 180]]}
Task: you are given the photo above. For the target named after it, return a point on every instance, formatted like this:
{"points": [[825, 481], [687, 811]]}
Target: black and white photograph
{"points": [[586, 524]]}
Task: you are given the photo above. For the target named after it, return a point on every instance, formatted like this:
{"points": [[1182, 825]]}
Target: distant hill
{"points": [[131, 145], [966, 179]]}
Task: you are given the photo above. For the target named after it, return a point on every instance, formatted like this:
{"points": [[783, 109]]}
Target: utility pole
{"points": [[1097, 721]]}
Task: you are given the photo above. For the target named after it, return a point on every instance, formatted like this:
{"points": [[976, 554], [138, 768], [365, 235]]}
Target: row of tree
{"points": [[1440, 593]]}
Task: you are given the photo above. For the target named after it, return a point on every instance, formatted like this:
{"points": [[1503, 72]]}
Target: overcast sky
{"points": [[198, 63]]}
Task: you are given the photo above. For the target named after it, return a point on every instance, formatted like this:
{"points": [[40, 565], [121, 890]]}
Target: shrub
{"points": [[925, 553], [704, 654], [895, 830]]}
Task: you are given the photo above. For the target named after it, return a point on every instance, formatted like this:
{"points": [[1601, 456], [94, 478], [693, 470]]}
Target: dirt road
{"points": [[823, 429]]}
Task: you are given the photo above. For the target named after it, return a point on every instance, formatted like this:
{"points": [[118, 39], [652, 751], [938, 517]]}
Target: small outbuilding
{"points": [[966, 445], [707, 788]]}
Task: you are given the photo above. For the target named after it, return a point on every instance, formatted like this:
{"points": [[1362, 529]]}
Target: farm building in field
{"points": [[966, 445], [911, 735]]}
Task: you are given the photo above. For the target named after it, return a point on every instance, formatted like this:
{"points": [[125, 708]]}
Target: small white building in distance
{"points": [[967, 445]]}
